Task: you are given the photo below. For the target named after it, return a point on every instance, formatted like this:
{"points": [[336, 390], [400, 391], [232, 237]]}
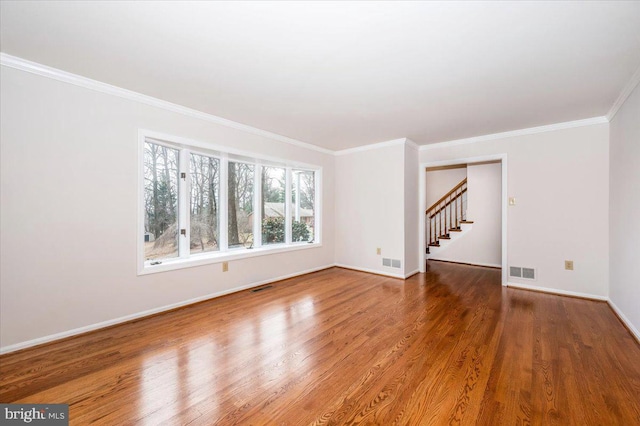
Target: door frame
{"points": [[423, 202]]}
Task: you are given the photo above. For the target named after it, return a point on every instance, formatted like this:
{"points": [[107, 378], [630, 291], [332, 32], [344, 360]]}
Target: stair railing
{"points": [[446, 214]]}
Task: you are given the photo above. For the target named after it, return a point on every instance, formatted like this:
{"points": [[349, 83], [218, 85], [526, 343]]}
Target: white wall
{"points": [[482, 244], [369, 200], [560, 179], [441, 180], [69, 164], [624, 205], [412, 253]]}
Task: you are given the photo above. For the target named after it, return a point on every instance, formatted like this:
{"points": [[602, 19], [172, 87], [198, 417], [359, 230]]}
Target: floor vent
{"points": [[255, 290]]}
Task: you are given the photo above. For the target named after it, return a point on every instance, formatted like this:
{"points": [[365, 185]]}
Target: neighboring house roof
{"points": [[277, 210]]}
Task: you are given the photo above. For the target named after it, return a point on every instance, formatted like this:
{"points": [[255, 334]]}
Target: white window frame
{"points": [[224, 154]]}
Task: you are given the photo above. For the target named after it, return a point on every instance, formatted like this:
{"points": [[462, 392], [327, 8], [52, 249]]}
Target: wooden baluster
{"points": [[446, 227], [430, 238], [433, 233], [446, 231], [455, 210], [450, 218]]}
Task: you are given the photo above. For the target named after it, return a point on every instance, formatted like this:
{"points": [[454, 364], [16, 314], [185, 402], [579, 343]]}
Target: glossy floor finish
{"points": [[342, 347]]}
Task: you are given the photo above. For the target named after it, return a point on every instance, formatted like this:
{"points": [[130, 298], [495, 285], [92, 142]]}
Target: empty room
{"points": [[306, 213]]}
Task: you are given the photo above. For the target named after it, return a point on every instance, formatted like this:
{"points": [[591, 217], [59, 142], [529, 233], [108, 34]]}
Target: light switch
{"points": [[512, 201]]}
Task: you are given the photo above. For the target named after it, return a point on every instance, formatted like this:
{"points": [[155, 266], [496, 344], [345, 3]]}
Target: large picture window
{"points": [[207, 205]]}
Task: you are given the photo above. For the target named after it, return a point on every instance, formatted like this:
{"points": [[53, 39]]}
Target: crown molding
{"points": [[411, 144], [635, 79], [520, 132], [77, 80], [98, 86], [369, 147]]}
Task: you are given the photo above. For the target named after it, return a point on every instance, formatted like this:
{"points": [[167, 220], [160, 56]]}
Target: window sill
{"points": [[216, 257]]}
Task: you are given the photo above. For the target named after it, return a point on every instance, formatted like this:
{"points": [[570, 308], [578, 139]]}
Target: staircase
{"points": [[447, 217]]}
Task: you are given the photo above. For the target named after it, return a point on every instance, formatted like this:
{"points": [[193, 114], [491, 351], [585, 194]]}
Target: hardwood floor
{"points": [[342, 347]]}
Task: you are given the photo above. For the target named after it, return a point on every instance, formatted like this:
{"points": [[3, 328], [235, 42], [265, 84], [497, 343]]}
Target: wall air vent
{"points": [[393, 263], [520, 272], [515, 271], [529, 273]]}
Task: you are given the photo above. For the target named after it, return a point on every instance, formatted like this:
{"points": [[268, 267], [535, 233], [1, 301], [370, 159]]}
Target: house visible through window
{"points": [[273, 205], [203, 204]]}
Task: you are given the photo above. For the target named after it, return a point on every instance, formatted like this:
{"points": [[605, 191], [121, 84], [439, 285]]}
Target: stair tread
{"points": [[455, 230], [466, 221], [434, 245], [443, 237]]}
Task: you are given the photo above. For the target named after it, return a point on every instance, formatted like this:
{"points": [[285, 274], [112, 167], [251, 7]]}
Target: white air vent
{"points": [[520, 272], [386, 262], [395, 263], [529, 273], [515, 271]]}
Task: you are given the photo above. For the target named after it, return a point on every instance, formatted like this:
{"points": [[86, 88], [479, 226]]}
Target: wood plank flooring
{"points": [[342, 347]]}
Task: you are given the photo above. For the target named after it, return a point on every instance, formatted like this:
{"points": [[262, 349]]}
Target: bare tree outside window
{"points": [[204, 204], [161, 167], [240, 204]]}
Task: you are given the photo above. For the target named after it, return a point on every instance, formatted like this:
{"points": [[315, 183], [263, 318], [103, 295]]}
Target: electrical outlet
{"points": [[568, 265], [378, 250], [225, 266]]}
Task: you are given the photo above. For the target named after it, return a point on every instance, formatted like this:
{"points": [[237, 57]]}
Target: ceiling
{"points": [[346, 74]]}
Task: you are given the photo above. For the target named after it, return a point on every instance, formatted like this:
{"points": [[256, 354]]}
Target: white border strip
{"points": [[557, 291], [67, 77], [634, 331], [108, 323], [628, 89], [520, 132], [87, 83], [369, 147], [412, 273], [371, 271]]}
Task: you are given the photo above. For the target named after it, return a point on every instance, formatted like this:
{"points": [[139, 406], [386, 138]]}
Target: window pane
{"points": [[303, 205], [240, 195], [205, 202], [161, 168], [273, 207]]}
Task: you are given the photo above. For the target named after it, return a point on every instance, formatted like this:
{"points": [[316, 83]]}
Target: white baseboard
{"points": [[634, 331], [558, 291], [412, 273], [371, 271], [108, 323]]}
